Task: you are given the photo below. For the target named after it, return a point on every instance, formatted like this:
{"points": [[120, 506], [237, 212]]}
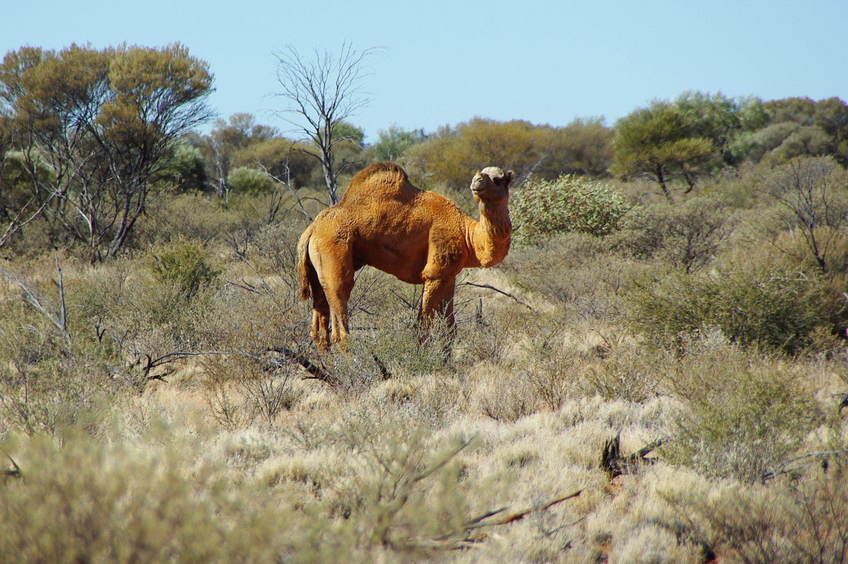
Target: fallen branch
{"points": [[522, 514], [498, 290], [60, 319], [615, 465], [316, 371], [481, 521], [784, 467]]}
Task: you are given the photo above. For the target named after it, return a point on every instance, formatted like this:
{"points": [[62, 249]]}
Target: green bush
{"points": [[570, 203], [183, 263], [739, 416], [190, 216], [686, 235], [758, 305], [244, 180], [87, 501]]}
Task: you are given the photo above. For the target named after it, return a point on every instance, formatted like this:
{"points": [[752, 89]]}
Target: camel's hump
{"points": [[374, 169], [379, 180]]}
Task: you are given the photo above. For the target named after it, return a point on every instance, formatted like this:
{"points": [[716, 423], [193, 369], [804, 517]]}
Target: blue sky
{"points": [[444, 62]]}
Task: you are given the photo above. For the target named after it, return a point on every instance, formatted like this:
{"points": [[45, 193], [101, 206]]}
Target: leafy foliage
{"points": [[735, 419], [686, 235], [661, 142], [245, 180], [569, 203], [183, 263], [759, 305], [104, 122], [451, 155]]}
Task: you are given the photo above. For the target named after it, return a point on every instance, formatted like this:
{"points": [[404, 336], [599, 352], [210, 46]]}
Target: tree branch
{"points": [[489, 287]]}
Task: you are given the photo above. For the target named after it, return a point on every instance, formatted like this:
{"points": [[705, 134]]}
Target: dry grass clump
{"points": [[574, 269], [800, 520], [88, 501]]}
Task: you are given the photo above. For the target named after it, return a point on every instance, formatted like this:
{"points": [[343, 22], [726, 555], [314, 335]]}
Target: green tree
{"points": [[219, 149], [104, 121], [711, 116], [282, 158], [451, 155], [832, 117], [798, 110], [582, 147], [394, 141], [658, 141], [184, 169], [246, 180]]}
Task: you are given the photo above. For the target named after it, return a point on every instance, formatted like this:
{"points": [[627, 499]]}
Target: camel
{"points": [[419, 237]]}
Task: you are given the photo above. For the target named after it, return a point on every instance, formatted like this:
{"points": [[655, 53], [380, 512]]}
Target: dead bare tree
{"points": [[320, 92], [56, 314], [810, 189]]}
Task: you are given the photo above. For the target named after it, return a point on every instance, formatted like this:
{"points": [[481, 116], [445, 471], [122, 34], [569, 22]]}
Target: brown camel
{"points": [[419, 237]]}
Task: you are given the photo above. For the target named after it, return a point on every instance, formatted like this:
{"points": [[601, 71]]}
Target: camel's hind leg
{"points": [[320, 320], [334, 266]]}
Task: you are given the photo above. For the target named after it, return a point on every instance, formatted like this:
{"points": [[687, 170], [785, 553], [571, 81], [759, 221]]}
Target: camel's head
{"points": [[491, 185]]}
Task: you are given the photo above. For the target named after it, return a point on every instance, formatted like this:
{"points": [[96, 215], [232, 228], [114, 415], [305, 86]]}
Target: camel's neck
{"points": [[490, 237]]}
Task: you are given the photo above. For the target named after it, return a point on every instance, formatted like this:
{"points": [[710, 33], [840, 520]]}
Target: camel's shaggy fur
{"points": [[419, 237]]}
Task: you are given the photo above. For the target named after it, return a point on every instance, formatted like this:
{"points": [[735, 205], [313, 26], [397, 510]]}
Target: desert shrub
{"points": [[575, 269], [686, 235], [45, 384], [90, 502], [804, 521], [243, 389], [276, 243], [570, 203], [406, 491], [246, 180], [758, 304], [183, 263], [813, 193], [740, 414], [187, 216], [53, 374], [624, 371], [754, 145]]}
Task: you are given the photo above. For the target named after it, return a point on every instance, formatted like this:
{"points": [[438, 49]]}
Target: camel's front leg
{"points": [[437, 299]]}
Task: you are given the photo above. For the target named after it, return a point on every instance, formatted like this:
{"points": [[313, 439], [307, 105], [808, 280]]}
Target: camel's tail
{"points": [[305, 271]]}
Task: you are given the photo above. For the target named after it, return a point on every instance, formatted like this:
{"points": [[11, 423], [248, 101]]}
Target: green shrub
{"points": [[183, 263], [88, 501], [739, 416], [804, 519], [574, 269], [686, 235], [570, 203], [243, 180], [759, 305], [190, 216]]}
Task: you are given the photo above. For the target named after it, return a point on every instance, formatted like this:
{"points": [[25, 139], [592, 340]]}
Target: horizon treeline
{"points": [[89, 137]]}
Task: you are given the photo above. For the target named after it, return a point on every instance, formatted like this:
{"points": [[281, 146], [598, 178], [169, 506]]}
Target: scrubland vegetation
{"points": [[677, 281]]}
